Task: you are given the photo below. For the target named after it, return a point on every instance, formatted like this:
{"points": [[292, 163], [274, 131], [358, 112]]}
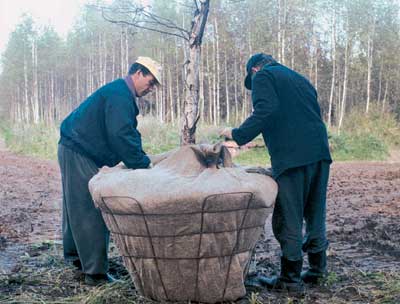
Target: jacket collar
{"points": [[129, 83]]}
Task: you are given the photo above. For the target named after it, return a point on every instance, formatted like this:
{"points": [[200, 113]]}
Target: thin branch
{"points": [[143, 19], [143, 27]]}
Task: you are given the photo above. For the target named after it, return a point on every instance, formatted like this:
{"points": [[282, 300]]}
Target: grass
{"points": [[258, 157], [358, 147], [42, 277], [35, 140], [363, 137]]}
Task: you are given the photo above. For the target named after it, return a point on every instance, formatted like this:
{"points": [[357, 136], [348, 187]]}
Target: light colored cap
{"points": [[153, 66]]}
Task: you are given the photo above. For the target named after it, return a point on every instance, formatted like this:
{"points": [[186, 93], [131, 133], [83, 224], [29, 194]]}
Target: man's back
{"points": [[295, 133], [103, 127]]}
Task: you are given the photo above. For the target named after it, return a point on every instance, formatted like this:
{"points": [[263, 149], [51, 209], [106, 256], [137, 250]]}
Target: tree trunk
{"points": [[345, 82], [35, 89], [210, 95], [26, 97], [171, 98], [214, 75], [190, 113], [380, 84], [385, 96], [178, 90], [217, 73], [333, 81], [235, 71], [228, 105], [202, 103], [370, 51]]}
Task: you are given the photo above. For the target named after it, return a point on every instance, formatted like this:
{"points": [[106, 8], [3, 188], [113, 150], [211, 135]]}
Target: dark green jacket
{"points": [[103, 128], [287, 113]]}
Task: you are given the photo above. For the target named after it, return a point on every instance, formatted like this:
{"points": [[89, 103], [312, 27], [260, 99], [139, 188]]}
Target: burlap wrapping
{"points": [[186, 228]]}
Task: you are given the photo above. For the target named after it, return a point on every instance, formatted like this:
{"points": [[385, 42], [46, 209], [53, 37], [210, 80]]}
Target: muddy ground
{"points": [[363, 228]]}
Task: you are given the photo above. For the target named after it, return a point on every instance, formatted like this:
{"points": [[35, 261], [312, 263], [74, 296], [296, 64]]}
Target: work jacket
{"points": [[104, 128], [287, 113]]}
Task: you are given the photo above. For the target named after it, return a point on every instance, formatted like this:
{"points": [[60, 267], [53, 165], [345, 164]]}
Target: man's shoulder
{"points": [[115, 84], [114, 88]]}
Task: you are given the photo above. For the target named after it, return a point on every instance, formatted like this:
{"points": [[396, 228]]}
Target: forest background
{"points": [[347, 49]]}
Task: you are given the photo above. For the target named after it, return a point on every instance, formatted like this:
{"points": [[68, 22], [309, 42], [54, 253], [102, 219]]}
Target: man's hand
{"points": [[226, 133]]}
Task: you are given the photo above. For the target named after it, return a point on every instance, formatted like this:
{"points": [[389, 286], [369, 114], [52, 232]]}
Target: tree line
{"points": [[347, 49]]}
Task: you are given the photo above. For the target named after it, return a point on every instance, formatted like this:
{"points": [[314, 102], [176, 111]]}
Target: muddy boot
{"points": [[98, 279], [289, 280], [317, 270], [77, 264]]}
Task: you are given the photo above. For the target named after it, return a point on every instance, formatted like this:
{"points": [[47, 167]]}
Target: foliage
{"points": [[36, 140], [43, 76], [361, 139], [382, 125], [366, 137], [357, 147]]}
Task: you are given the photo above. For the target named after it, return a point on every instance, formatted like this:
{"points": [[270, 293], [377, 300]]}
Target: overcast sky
{"points": [[59, 13]]}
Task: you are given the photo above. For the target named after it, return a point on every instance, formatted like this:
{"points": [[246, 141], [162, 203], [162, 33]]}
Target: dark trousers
{"points": [[85, 235], [301, 196]]}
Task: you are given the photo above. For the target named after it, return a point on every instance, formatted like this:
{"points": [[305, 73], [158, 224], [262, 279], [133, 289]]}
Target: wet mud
{"points": [[363, 211]]}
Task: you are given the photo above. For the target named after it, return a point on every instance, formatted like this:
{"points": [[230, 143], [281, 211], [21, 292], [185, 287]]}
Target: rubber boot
{"points": [[98, 279], [289, 279], [317, 270]]}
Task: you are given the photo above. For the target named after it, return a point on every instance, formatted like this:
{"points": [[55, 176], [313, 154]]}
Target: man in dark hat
{"points": [[102, 131], [287, 114]]}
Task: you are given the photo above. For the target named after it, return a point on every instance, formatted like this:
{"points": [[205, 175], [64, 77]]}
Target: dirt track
{"points": [[363, 214]]}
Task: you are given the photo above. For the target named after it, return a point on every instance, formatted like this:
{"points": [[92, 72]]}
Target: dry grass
{"points": [[41, 276]]}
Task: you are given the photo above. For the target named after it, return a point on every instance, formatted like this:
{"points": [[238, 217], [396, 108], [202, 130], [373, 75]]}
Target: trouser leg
{"points": [[315, 209], [84, 224], [69, 247], [287, 218]]}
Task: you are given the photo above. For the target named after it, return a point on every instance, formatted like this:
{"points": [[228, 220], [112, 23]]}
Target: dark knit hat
{"points": [[256, 60]]}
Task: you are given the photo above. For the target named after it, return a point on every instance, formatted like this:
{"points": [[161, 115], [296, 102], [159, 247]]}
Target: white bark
{"points": [[333, 81], [191, 103]]}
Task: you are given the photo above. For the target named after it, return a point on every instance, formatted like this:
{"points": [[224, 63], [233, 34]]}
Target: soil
{"points": [[363, 212]]}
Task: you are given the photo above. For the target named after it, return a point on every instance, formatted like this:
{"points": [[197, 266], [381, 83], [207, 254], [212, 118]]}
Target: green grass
{"points": [[358, 147], [256, 157], [158, 137], [362, 137], [36, 140]]}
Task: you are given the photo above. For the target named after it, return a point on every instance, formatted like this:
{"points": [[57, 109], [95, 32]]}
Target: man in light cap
{"points": [[287, 114], [101, 131]]}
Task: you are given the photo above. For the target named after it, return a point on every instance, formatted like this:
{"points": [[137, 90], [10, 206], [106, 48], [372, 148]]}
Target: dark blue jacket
{"points": [[287, 113], [103, 128]]}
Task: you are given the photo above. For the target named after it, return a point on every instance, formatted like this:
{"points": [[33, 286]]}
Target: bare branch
{"points": [[137, 24], [141, 17]]}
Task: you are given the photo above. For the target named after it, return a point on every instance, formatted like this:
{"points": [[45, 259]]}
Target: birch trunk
{"points": [[345, 82], [35, 85], [210, 108], [178, 90], [228, 105], [218, 74], [380, 84], [171, 99], [191, 115], [370, 51], [202, 103], [214, 74], [385, 96], [333, 81], [235, 88], [26, 97]]}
